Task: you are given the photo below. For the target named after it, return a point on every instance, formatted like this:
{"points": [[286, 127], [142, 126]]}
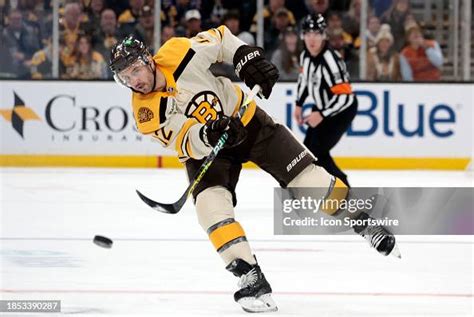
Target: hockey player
{"points": [[325, 79], [178, 101]]}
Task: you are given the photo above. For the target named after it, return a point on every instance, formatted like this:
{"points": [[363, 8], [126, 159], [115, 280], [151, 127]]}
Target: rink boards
{"points": [[398, 126]]}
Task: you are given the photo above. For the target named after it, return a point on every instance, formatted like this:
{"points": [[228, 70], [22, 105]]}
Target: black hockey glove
{"points": [[214, 129], [252, 67]]}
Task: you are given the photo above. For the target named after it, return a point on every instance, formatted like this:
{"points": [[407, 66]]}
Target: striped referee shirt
{"points": [[324, 78]]}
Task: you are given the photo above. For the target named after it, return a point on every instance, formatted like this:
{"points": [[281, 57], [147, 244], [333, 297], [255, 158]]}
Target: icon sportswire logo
{"points": [[18, 115]]}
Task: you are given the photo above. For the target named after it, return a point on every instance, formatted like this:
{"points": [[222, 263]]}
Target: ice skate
{"points": [[255, 293], [378, 237]]}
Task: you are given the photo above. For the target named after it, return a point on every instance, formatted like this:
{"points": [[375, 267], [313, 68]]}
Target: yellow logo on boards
{"points": [[18, 115]]}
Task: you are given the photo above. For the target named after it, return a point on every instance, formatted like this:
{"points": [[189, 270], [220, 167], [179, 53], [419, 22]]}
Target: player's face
{"points": [[139, 77], [313, 42]]}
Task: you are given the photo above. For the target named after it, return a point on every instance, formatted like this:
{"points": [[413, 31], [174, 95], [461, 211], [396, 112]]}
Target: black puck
{"points": [[103, 242]]}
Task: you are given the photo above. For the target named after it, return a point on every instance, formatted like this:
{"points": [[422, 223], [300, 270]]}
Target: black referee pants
{"points": [[321, 139]]}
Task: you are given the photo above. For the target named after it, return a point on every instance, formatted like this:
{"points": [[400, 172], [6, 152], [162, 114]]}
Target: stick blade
{"points": [[165, 208]]}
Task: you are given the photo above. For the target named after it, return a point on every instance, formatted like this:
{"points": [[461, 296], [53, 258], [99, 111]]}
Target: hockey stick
{"points": [[176, 207]]}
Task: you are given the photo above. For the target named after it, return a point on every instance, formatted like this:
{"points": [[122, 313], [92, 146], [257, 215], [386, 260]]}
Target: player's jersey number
{"points": [[163, 136]]}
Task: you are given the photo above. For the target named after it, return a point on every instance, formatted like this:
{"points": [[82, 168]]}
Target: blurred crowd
{"points": [[397, 46]]}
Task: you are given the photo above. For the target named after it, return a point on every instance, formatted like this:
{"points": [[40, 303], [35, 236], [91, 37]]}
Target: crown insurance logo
{"points": [[18, 115]]}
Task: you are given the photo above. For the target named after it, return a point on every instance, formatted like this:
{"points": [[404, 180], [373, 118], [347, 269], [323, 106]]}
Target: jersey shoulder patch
{"points": [[149, 111]]}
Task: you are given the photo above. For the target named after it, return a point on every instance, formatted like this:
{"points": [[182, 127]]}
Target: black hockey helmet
{"points": [[313, 23], [127, 52]]}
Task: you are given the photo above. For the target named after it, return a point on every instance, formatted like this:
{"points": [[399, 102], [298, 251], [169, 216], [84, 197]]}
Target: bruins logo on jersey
{"points": [[144, 115], [204, 106]]}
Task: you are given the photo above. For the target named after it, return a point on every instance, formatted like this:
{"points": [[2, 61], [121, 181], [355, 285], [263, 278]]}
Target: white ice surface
{"points": [[164, 265]]}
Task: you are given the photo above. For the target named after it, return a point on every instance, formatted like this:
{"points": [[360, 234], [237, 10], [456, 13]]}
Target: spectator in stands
{"points": [[395, 17], [335, 38], [41, 65], [70, 27], [268, 17], [118, 6], [193, 23], [132, 14], [380, 6], [286, 57], [167, 32], [319, 6], [351, 20], [6, 67], [410, 22], [216, 15], [89, 64], [373, 28], [94, 10], [334, 21], [44, 12], [280, 21], [246, 9], [383, 62], [129, 18], [145, 27], [168, 14], [22, 42], [30, 15], [298, 8], [183, 6], [421, 59], [232, 21], [336, 41], [107, 36]]}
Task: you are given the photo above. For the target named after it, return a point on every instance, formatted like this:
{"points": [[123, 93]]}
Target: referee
{"points": [[323, 77]]}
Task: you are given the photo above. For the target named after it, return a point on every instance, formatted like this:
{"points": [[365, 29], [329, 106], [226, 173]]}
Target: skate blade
{"points": [[396, 252], [262, 304]]}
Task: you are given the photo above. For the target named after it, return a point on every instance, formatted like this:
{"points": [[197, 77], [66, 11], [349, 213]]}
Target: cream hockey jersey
{"points": [[193, 94]]}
